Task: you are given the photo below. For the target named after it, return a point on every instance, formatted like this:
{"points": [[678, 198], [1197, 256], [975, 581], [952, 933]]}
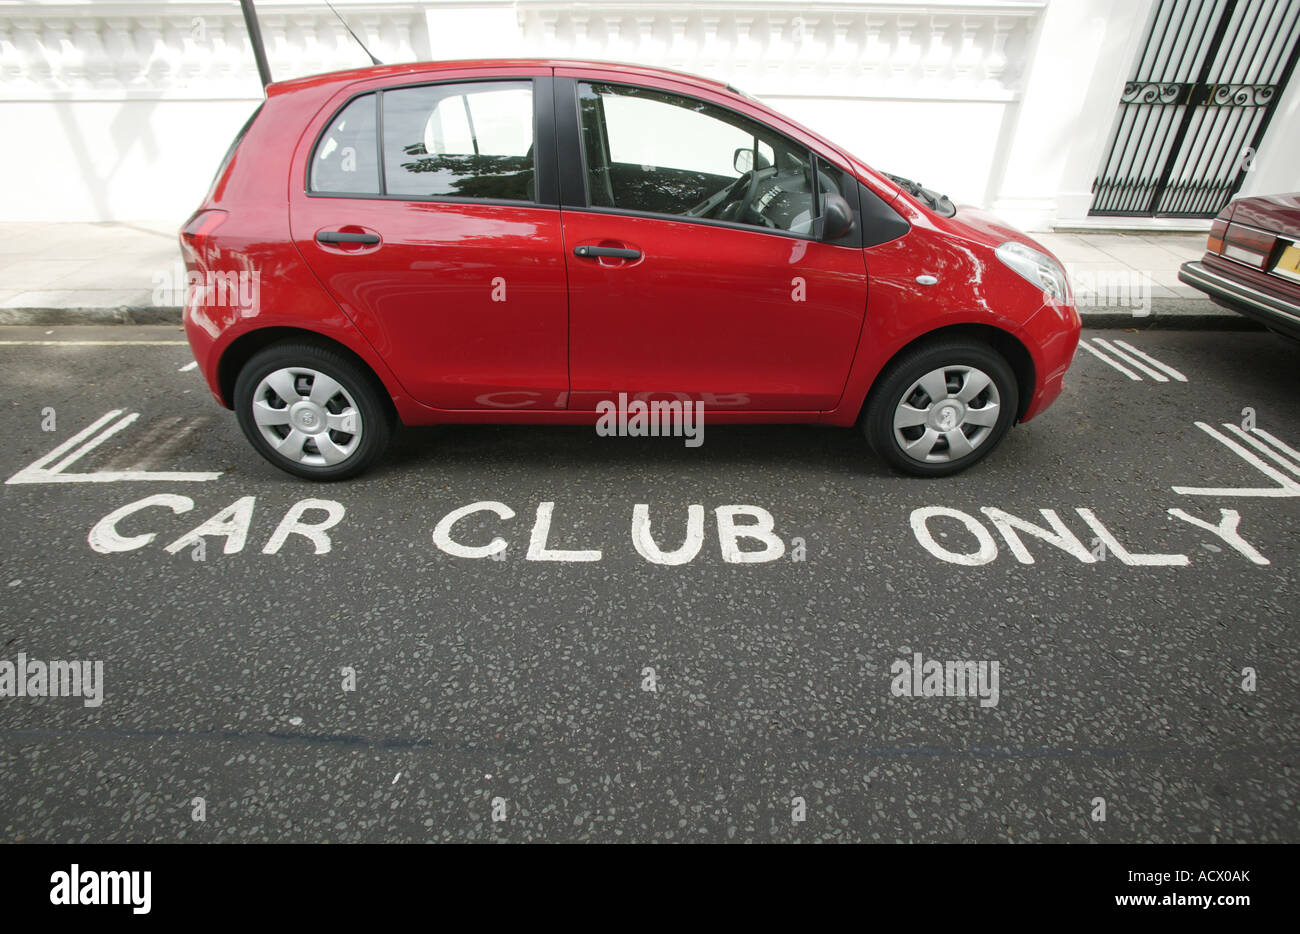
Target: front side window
{"points": [[663, 153], [470, 140], [346, 158]]}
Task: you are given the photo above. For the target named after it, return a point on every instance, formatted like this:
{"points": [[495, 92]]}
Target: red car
{"points": [[1252, 261], [521, 241]]}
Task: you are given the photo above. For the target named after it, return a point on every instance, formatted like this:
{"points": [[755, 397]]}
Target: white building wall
{"points": [[126, 108]]}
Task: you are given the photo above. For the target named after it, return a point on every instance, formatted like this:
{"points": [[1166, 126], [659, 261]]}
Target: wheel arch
{"points": [[243, 348], [1004, 342]]}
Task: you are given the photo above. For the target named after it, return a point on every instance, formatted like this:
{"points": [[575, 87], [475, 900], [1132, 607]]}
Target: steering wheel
{"points": [[742, 209], [720, 197]]}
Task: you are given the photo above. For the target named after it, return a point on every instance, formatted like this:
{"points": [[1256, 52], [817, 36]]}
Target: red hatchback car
{"points": [[522, 241]]}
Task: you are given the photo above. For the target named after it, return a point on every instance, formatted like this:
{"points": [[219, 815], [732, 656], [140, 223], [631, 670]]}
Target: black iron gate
{"points": [[1196, 107]]}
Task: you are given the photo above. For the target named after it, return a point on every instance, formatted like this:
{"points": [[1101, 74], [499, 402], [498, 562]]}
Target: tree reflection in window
{"points": [[481, 134]]}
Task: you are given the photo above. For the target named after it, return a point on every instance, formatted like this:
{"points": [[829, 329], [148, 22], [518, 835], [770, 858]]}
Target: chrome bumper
{"points": [[1270, 309]]}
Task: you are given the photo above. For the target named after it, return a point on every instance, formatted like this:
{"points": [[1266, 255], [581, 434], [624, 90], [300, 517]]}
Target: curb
{"points": [[1208, 321], [142, 314], [1168, 314]]}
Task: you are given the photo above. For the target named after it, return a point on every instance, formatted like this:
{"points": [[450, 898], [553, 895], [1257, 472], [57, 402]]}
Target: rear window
{"points": [[346, 160], [470, 140], [466, 140]]}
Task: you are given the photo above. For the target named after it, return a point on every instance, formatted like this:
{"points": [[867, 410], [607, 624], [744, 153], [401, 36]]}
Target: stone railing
{"points": [[108, 50], [111, 49], [865, 50]]}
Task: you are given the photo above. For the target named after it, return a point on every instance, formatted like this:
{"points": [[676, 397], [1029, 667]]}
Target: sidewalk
{"points": [[1131, 280], [131, 273], [102, 273]]}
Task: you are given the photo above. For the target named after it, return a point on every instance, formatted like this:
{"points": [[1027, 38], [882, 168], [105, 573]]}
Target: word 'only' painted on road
{"points": [[983, 546]]}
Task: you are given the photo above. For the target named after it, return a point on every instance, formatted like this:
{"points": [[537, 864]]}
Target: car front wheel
{"points": [[311, 411], [941, 407]]}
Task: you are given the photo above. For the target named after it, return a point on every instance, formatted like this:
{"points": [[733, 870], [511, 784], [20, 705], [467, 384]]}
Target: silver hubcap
{"points": [[307, 416], [946, 414]]}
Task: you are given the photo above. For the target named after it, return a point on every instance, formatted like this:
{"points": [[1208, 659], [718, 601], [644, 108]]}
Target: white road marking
{"points": [[1264, 449], [1285, 449], [1083, 345], [1152, 360], [1226, 529], [1120, 352], [189, 366], [86, 441], [231, 523], [1121, 355], [94, 442], [1119, 551], [1286, 487]]}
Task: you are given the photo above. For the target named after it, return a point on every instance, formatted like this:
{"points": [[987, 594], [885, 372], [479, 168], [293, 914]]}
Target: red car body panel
{"points": [[706, 312]]}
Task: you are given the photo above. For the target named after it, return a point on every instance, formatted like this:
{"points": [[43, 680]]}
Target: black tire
{"points": [[954, 355], [368, 399]]}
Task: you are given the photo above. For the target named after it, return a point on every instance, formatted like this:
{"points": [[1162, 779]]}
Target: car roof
{"points": [[886, 188], [407, 68]]}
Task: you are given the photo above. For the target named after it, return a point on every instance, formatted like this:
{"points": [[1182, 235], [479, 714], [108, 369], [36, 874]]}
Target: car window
{"points": [[345, 159], [470, 140], [662, 153]]}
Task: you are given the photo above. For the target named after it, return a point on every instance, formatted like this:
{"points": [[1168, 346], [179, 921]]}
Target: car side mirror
{"points": [[836, 219], [743, 160]]}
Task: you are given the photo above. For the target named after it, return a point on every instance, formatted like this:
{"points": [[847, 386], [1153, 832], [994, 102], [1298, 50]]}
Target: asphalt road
{"points": [[519, 686]]}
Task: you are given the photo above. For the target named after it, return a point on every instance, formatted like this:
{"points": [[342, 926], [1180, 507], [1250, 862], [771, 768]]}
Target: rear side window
{"points": [[346, 159], [472, 140]]}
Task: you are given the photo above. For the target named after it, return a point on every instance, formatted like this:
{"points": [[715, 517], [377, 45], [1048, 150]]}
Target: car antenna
{"points": [[373, 60]]}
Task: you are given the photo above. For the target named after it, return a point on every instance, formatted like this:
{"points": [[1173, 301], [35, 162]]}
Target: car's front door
{"points": [[445, 247], [693, 268]]}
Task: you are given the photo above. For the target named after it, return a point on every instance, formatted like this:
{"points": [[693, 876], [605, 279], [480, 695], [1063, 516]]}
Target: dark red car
{"points": [[1252, 262], [522, 241]]}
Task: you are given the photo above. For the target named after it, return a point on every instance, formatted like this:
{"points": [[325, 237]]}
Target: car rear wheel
{"points": [[941, 407], [311, 411]]}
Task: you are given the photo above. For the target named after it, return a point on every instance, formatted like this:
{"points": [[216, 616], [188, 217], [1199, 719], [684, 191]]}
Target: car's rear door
{"points": [[430, 212], [744, 309]]}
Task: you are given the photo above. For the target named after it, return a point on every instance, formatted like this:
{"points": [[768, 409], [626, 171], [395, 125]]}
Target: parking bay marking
{"points": [[85, 441], [1278, 454], [1119, 353]]}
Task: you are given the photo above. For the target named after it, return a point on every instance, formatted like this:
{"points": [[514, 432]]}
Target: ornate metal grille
{"points": [[1194, 112]]}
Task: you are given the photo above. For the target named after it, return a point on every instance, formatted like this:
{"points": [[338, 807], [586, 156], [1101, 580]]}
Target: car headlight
{"points": [[1039, 268]]}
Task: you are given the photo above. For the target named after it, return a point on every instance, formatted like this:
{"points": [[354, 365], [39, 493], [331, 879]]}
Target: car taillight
{"points": [[1248, 245], [1217, 230], [197, 233]]}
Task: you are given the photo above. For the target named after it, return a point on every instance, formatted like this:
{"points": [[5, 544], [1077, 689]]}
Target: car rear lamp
{"points": [[197, 233], [1217, 229]]}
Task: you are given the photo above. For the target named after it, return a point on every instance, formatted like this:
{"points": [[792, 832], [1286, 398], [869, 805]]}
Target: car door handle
{"points": [[614, 251], [338, 236]]}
